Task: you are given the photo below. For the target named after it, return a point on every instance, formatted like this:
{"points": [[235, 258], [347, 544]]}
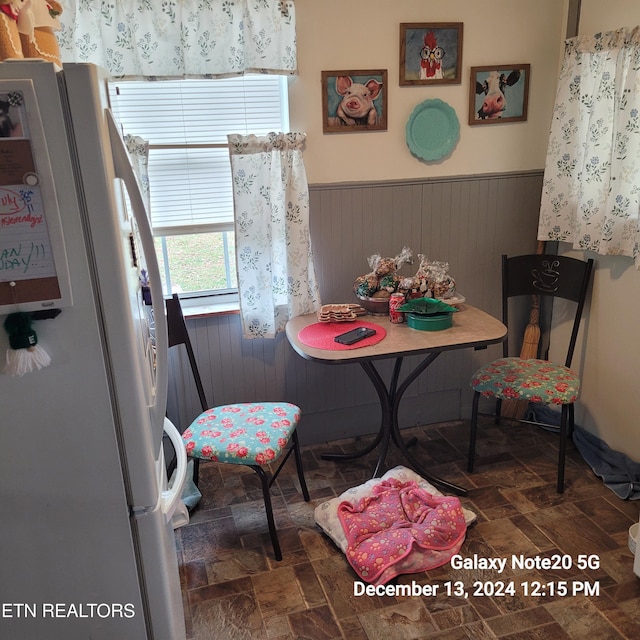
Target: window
{"points": [[186, 123]]}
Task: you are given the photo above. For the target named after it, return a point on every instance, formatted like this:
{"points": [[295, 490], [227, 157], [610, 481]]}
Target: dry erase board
{"points": [[33, 267]]}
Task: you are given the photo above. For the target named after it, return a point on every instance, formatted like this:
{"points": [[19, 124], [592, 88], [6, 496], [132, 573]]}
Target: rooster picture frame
{"points": [[430, 53]]}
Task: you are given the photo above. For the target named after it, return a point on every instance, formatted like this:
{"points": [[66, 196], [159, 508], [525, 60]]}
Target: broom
{"points": [[515, 409]]}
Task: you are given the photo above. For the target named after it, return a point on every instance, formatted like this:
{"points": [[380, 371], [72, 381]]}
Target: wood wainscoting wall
{"points": [[465, 221]]}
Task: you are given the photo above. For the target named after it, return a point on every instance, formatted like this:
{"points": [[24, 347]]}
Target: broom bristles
{"points": [[515, 409], [530, 342]]}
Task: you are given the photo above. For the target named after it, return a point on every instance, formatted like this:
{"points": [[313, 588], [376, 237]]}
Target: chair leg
{"points": [[571, 419], [196, 470], [267, 479], [298, 455], [264, 480], [473, 431], [566, 417], [496, 418]]}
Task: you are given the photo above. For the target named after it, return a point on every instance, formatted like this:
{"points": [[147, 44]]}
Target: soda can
{"points": [[395, 302]]}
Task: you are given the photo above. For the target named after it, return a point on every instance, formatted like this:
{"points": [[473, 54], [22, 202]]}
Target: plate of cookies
{"points": [[340, 312]]}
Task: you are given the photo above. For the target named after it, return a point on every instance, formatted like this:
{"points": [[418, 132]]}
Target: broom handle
{"points": [[534, 316], [516, 409]]}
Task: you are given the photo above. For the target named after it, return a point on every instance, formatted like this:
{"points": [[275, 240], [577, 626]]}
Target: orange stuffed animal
{"points": [[27, 29], [37, 32], [10, 45]]}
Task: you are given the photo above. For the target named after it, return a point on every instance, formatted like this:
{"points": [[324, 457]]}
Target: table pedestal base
{"points": [[389, 429]]}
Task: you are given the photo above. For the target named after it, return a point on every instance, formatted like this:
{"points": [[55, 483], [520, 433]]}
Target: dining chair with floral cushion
{"points": [[537, 277], [255, 434]]}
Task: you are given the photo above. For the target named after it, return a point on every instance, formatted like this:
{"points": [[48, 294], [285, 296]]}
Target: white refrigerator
{"points": [[87, 547]]}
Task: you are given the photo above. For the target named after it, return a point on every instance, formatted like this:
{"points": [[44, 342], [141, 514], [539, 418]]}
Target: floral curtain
{"points": [[138, 150], [592, 174], [180, 38], [276, 278]]}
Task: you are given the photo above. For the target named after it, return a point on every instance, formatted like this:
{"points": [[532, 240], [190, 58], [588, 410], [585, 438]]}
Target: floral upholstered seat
{"points": [[523, 379], [245, 433], [254, 434]]}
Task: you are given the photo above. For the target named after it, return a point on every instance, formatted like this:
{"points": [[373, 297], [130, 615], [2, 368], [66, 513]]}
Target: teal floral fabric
{"points": [[180, 38], [590, 193], [533, 380], [247, 433]]}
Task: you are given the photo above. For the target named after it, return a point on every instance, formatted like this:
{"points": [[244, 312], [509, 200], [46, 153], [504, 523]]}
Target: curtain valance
{"points": [[180, 38]]}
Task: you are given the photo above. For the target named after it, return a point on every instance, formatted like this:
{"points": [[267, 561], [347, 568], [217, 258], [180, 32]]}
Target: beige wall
{"points": [[610, 398], [359, 34]]}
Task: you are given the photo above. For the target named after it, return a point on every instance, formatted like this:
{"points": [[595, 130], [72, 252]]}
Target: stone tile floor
{"points": [[233, 588]]}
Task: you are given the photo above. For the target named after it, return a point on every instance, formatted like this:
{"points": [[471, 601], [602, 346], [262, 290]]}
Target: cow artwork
{"points": [[354, 101], [498, 94], [495, 102]]}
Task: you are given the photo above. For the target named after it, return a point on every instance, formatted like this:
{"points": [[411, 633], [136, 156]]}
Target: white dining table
{"points": [[471, 328]]}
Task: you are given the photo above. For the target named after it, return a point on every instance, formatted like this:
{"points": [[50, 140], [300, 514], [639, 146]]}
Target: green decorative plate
{"points": [[426, 307], [433, 130]]}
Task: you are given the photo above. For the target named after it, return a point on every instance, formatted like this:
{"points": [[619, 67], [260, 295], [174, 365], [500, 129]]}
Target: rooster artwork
{"points": [[431, 56]]}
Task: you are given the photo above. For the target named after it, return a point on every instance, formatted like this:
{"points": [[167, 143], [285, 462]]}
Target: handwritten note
{"points": [[34, 274], [25, 250]]}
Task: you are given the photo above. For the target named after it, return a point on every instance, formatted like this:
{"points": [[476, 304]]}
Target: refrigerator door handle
{"points": [[124, 171], [173, 494]]}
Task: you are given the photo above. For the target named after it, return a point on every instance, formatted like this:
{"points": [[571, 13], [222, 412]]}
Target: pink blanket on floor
{"points": [[401, 528]]}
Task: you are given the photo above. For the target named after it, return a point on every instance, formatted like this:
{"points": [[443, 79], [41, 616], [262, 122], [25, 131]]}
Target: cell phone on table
{"points": [[355, 335]]}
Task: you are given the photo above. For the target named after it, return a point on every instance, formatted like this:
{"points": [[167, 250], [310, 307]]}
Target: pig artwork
{"points": [[357, 105]]}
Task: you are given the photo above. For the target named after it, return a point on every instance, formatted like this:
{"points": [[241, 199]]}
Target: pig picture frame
{"points": [[354, 100], [430, 53], [499, 94]]}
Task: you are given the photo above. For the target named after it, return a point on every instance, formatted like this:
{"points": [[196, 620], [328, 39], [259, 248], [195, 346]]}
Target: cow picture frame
{"points": [[499, 94], [354, 100], [430, 53]]}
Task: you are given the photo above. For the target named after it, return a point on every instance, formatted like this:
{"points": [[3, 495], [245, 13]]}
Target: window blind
{"points": [[186, 123]]}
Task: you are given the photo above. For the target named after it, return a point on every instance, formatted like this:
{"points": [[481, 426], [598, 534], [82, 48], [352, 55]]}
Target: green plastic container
{"points": [[426, 306], [432, 322]]}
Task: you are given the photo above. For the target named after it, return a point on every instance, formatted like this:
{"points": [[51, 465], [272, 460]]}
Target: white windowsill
{"points": [[206, 307]]}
